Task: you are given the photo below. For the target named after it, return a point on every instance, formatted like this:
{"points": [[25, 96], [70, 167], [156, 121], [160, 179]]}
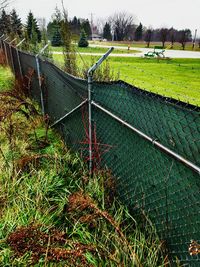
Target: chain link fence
{"points": [[149, 142]]}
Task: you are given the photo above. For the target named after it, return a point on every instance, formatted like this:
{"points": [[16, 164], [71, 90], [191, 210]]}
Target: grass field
{"points": [[96, 50], [177, 78], [177, 46], [52, 212]]}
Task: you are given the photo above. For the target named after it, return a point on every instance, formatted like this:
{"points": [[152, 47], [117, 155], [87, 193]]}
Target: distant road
{"points": [[168, 53]]}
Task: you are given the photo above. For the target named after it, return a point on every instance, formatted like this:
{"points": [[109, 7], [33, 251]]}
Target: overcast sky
{"points": [[156, 13]]}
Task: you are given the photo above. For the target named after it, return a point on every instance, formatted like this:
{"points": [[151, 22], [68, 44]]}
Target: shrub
{"points": [[83, 39]]}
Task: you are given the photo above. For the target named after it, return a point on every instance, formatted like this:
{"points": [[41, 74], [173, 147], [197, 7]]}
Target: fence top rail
{"points": [[98, 63]]}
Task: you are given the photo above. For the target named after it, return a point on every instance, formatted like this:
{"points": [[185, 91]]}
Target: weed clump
{"points": [[51, 245]]}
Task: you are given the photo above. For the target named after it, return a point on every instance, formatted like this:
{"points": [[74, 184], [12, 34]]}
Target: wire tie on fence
{"points": [[154, 141]]}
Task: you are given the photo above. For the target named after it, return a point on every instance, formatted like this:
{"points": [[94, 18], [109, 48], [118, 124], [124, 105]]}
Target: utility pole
{"points": [[194, 40], [91, 22]]}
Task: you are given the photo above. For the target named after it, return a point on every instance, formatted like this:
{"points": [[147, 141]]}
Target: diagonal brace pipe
{"points": [[70, 112], [146, 137]]}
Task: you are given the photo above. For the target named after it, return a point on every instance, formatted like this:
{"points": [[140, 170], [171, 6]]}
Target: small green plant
{"points": [[83, 42], [104, 73]]}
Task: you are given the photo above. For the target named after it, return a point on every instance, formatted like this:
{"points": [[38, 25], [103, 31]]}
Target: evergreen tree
{"points": [[16, 25], [75, 26], [138, 32], [33, 32], [107, 32], [56, 39], [5, 25], [85, 25], [83, 39], [54, 27]]}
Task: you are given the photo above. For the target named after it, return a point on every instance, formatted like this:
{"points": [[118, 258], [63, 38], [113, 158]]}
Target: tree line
{"points": [[118, 27], [121, 27]]}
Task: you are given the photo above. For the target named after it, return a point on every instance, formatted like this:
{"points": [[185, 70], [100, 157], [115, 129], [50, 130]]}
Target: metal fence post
{"points": [[90, 119], [1, 41], [39, 77], [11, 55], [90, 124], [18, 57], [6, 52]]}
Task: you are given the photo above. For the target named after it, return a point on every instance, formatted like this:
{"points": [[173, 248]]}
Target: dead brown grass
{"points": [[52, 245]]}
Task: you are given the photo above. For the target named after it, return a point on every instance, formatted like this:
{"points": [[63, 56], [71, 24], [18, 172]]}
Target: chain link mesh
{"points": [[150, 182]]}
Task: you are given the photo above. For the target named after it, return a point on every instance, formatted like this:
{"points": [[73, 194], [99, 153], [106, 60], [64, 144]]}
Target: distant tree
{"points": [[57, 15], [30, 24], [41, 21], [148, 36], [163, 35], [5, 25], [85, 25], [33, 32], [172, 36], [54, 28], [16, 24], [138, 32], [47, 52], [83, 39], [99, 25], [122, 25], [56, 39], [184, 37], [75, 25], [107, 32], [68, 49]]}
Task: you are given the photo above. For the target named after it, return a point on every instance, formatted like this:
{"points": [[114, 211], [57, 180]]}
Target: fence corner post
{"points": [[11, 55], [5, 49], [90, 93]]}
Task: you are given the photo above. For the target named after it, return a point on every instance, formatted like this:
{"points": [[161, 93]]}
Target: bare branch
{"points": [[121, 24], [4, 4], [65, 13]]}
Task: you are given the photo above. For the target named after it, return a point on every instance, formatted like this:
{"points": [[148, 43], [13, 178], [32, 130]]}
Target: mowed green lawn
{"points": [[176, 78], [102, 50]]}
